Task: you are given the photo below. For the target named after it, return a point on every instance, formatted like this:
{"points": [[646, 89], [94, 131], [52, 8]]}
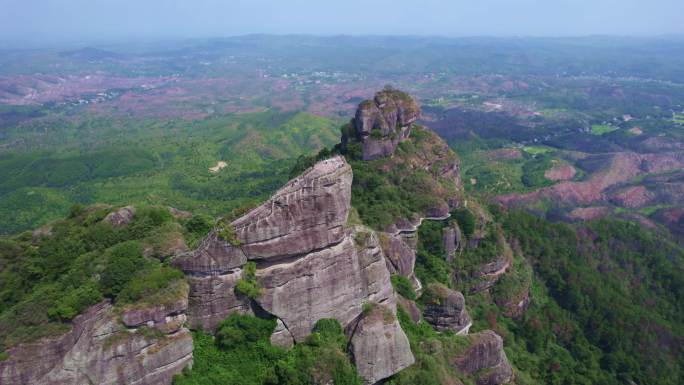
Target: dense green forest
{"points": [[156, 163]]}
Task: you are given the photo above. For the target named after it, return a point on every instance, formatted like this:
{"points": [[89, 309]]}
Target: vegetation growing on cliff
{"points": [[52, 275], [241, 354]]}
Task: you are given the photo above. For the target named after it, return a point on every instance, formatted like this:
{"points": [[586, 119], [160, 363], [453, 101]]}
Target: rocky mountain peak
{"points": [[381, 123]]}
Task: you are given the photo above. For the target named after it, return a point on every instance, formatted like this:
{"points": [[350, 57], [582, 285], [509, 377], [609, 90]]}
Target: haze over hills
{"points": [[515, 217]]}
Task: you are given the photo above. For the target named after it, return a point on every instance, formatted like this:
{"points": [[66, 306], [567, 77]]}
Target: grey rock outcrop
{"points": [[382, 123], [453, 241], [307, 214], [486, 352], [333, 282], [101, 350], [379, 346], [121, 217], [212, 298], [281, 336], [214, 256], [309, 266], [401, 258], [445, 310]]}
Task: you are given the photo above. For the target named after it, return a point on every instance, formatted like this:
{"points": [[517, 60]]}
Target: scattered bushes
{"points": [[465, 220], [242, 354], [248, 285], [239, 331], [403, 286], [47, 281]]}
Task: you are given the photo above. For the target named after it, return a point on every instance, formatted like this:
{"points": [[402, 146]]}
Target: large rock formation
{"points": [[454, 241], [148, 346], [401, 258], [334, 282], [379, 346], [380, 124], [445, 309], [486, 359], [310, 266]]}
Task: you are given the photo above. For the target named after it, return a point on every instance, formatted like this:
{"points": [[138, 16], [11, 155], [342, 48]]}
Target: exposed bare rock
{"points": [[308, 213], [179, 213], [154, 315], [454, 241], [380, 124], [330, 283], [212, 298], [100, 350], [378, 345], [486, 354], [489, 274], [171, 244], [121, 217], [401, 259], [281, 336], [213, 256], [40, 233], [445, 309]]}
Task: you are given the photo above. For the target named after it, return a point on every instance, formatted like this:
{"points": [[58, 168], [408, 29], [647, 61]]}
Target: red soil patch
{"points": [[589, 213], [632, 197], [560, 172], [502, 154], [620, 168]]}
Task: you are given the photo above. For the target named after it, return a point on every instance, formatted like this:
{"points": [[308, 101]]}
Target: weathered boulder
{"points": [[445, 309], [379, 346], [401, 258], [333, 282], [121, 217], [179, 213], [380, 124], [154, 315], [101, 350], [485, 354], [212, 298], [488, 274]]}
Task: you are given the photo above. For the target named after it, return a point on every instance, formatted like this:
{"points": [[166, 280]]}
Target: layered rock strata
{"points": [[310, 266], [485, 359], [382, 123], [445, 310], [379, 346], [100, 349]]}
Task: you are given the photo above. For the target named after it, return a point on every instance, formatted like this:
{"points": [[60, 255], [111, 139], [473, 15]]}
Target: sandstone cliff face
{"points": [[100, 349], [486, 354], [331, 283], [380, 124], [445, 310], [379, 346], [309, 267], [454, 241]]}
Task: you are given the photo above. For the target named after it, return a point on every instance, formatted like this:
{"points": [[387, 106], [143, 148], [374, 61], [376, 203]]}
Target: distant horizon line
{"points": [[38, 43]]}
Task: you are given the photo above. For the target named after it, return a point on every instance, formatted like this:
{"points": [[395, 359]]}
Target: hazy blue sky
{"points": [[38, 20]]}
